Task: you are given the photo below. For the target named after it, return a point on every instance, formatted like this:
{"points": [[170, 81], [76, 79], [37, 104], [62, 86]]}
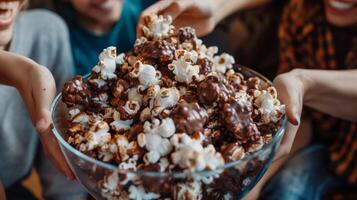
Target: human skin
{"points": [[97, 16], [37, 87]]}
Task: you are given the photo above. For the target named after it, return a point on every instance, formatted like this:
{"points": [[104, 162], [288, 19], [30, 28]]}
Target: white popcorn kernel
{"points": [[153, 139], [140, 41], [151, 157], [73, 112], [107, 63], [188, 190], [164, 164], [191, 155], [188, 56], [184, 71], [165, 129], [222, 63], [158, 26], [134, 95], [98, 135], [132, 107], [81, 118], [166, 98], [269, 107], [121, 125], [139, 193], [146, 74], [120, 59]]}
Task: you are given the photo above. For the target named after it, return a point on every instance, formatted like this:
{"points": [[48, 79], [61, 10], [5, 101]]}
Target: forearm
{"points": [[14, 69], [228, 7], [331, 92]]}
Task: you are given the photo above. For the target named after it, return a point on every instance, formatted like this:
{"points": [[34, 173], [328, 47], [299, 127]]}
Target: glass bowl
{"points": [[105, 181]]}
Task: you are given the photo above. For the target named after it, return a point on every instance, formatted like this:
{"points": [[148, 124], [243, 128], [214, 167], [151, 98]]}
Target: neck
{"points": [[94, 26]]}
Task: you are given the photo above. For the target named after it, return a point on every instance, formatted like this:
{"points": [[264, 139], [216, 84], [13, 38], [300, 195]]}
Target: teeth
{"points": [[6, 15], [8, 5], [340, 5]]}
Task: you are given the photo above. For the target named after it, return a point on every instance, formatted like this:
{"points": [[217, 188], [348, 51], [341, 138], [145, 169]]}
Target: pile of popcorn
{"points": [[172, 104]]}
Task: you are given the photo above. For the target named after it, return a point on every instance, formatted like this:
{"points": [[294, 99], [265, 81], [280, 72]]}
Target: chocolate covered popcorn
{"points": [[171, 105]]}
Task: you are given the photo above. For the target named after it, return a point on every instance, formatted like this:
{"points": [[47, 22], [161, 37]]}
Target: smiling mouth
{"points": [[341, 5], [7, 13]]}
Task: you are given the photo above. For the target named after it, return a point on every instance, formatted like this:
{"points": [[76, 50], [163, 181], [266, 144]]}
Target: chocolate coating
{"points": [[189, 117], [211, 90], [75, 92], [238, 120]]}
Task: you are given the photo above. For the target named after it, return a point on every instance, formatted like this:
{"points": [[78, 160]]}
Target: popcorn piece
{"points": [[191, 155], [98, 135], [188, 190], [134, 95], [184, 71], [154, 139], [132, 107], [121, 125], [146, 74], [166, 98], [75, 92], [107, 64], [269, 106], [139, 193], [222, 63], [157, 26]]}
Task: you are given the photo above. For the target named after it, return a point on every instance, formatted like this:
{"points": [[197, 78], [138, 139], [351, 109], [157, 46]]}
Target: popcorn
{"points": [[146, 74], [184, 71], [157, 26], [107, 64], [222, 63], [189, 190], [269, 106], [139, 193], [154, 139], [170, 105], [97, 136], [166, 98], [191, 155]]}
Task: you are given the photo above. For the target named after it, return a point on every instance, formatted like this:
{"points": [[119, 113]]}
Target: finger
{"points": [[201, 26], [287, 141], [52, 148], [153, 9], [289, 96], [43, 92], [176, 8]]}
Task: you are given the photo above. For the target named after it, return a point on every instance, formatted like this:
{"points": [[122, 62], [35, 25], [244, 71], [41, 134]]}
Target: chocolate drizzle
{"points": [[189, 118]]}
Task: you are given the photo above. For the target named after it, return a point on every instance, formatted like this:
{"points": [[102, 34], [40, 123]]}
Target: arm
{"points": [[332, 92], [37, 87], [329, 91], [201, 15]]}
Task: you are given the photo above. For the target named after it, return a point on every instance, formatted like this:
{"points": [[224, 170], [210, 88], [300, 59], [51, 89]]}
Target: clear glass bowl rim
{"points": [[108, 166]]}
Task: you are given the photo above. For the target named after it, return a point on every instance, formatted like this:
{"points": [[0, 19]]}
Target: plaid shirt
{"points": [[307, 41]]}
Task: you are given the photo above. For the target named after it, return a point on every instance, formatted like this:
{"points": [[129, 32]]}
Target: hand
{"points": [[195, 13], [38, 91], [291, 89]]}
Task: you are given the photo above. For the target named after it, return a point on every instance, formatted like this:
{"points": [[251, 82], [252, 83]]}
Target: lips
{"points": [[7, 13]]}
